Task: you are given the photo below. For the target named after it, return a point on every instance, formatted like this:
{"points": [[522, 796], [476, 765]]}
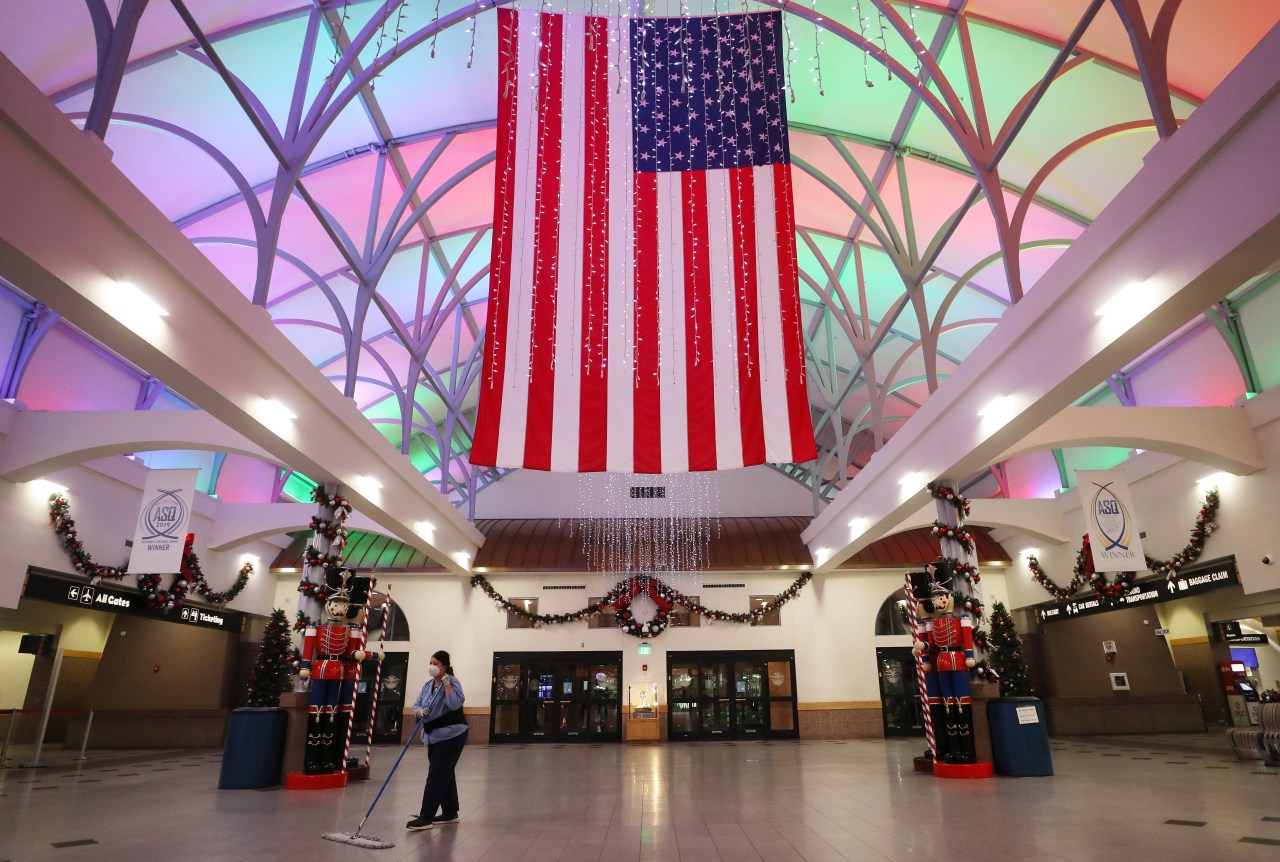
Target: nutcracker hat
{"points": [[347, 586], [926, 586], [337, 585], [921, 585]]}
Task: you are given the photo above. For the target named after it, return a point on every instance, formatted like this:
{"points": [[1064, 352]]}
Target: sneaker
{"points": [[418, 823], [446, 818]]}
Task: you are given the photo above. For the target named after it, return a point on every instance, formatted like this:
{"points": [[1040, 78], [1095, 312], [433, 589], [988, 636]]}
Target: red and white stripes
{"points": [[921, 684], [377, 676], [638, 322]]}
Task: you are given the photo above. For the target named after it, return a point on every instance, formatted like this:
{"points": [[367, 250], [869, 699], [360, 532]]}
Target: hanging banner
{"points": [[1110, 521], [162, 523]]}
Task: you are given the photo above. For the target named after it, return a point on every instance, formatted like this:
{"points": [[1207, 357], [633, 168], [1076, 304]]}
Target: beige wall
{"points": [[830, 625], [196, 666], [15, 671], [1076, 664]]}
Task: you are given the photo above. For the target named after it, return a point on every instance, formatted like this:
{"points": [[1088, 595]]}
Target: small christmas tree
{"points": [[1007, 658], [273, 672]]}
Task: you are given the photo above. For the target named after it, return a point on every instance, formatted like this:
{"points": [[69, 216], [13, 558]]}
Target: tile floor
{"points": [[1168, 798]]}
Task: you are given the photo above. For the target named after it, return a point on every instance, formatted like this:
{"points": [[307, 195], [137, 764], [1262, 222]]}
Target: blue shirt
{"points": [[440, 703]]}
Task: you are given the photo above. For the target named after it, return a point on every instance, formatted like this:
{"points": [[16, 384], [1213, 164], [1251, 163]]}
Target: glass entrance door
{"points": [[716, 702], [899, 695], [556, 697], [391, 693], [731, 695]]}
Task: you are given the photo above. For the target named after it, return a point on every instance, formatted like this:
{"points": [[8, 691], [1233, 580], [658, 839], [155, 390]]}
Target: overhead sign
{"points": [[163, 521], [1108, 512], [1191, 581], [119, 599], [1247, 639]]}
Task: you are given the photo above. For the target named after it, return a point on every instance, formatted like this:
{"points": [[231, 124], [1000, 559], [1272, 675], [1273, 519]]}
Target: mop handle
{"points": [[396, 765]]}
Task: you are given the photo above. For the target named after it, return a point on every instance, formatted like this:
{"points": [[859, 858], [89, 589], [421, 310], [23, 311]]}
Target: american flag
{"points": [[644, 309]]}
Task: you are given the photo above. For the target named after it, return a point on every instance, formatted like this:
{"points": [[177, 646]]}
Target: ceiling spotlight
{"points": [[274, 413], [1129, 303], [129, 295], [46, 488]]}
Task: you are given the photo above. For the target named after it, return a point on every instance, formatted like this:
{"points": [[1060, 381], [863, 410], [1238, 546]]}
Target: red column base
{"points": [[922, 764], [300, 781], [964, 770]]}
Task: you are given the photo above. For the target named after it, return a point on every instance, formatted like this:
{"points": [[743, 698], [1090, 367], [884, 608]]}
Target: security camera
{"points": [[1266, 559]]}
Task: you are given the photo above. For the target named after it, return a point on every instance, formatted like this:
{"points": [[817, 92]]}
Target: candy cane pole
{"points": [[351, 720], [377, 674], [920, 681]]}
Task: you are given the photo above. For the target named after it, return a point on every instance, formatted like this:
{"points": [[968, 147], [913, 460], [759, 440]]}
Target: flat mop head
{"points": [[370, 842]]}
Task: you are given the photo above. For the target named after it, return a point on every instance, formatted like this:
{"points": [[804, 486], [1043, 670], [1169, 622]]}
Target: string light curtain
{"points": [[644, 313], [629, 528]]}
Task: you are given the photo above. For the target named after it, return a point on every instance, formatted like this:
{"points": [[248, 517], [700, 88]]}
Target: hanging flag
{"points": [[1114, 540], [161, 533], [644, 312]]}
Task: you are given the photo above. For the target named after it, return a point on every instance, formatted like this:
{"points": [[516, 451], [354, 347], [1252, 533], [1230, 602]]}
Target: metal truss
{"points": [[857, 361]]}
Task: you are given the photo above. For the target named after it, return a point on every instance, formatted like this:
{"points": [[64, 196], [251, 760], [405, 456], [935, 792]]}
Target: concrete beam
{"points": [[237, 524], [44, 442], [1219, 437], [1039, 519]]}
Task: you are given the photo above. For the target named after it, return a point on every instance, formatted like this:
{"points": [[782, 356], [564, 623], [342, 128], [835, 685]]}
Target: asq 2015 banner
{"points": [[1111, 521], [162, 522]]}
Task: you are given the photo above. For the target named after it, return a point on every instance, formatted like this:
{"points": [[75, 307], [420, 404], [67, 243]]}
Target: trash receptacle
{"points": [[254, 749], [1019, 736]]}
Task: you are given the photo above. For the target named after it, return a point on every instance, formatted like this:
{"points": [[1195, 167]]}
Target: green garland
{"points": [[1038, 575], [622, 614], [191, 568], [957, 534], [952, 496], [1111, 590], [968, 604], [339, 504], [984, 672], [62, 523], [190, 574]]}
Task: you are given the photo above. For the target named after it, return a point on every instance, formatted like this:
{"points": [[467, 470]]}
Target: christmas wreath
{"points": [[621, 596]]}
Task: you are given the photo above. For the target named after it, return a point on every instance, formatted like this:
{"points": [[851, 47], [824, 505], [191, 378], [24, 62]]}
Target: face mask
{"points": [[434, 670]]}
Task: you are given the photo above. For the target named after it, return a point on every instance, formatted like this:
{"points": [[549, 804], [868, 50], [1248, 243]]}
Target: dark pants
{"points": [[441, 792]]}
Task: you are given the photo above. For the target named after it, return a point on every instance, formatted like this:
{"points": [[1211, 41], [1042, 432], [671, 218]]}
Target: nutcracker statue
{"points": [[331, 656], [946, 646]]}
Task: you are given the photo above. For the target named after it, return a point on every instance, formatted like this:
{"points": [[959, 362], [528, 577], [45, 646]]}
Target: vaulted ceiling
{"points": [[335, 161]]}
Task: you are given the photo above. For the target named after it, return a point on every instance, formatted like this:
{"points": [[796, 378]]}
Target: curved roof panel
{"points": [[932, 193]]}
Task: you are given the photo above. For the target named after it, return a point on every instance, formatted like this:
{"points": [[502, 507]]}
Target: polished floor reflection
{"points": [[1180, 797]]}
